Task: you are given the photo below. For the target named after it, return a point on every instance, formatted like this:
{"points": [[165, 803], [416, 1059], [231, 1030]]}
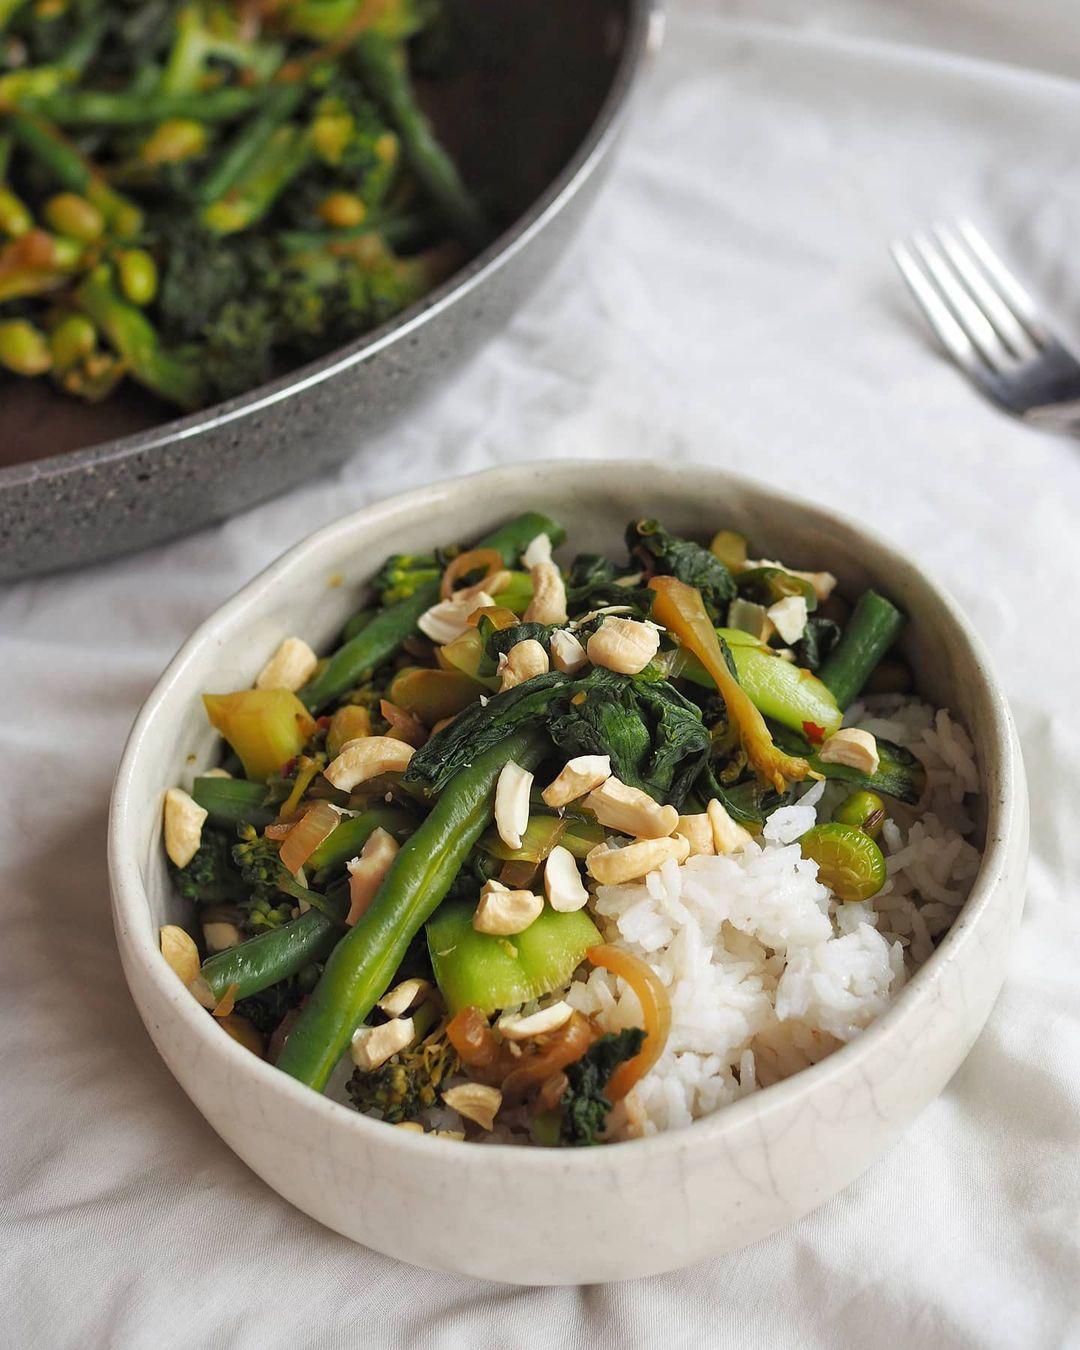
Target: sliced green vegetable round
{"points": [[864, 810], [849, 862], [481, 971], [769, 585]]}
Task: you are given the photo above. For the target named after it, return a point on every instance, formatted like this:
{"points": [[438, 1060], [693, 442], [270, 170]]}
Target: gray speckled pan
{"points": [[559, 76]]}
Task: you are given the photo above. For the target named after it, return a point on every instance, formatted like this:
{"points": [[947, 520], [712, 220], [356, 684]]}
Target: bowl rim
{"points": [[639, 38], [1000, 759]]}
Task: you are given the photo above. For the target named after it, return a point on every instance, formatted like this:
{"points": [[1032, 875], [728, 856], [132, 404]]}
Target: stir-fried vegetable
{"points": [[413, 868], [214, 192]]}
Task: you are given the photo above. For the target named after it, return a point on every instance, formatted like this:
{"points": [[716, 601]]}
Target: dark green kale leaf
{"points": [[593, 582], [819, 638], [584, 1107], [667, 554]]}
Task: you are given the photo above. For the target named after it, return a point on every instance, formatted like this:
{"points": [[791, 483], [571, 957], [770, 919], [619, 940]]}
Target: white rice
{"points": [[766, 970]]}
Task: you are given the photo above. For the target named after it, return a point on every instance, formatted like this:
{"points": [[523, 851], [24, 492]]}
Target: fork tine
{"points": [[1017, 297], [955, 341], [996, 308], [968, 314]]}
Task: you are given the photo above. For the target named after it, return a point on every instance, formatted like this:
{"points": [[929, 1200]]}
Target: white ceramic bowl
{"points": [[542, 1216]]}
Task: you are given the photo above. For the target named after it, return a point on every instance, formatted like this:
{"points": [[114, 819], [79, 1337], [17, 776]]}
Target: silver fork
{"points": [[990, 325]]}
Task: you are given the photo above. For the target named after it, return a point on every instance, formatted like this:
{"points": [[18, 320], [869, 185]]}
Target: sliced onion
{"points": [[655, 1011], [490, 559], [565, 1046], [281, 829], [307, 834], [403, 725], [496, 614], [471, 1036]]}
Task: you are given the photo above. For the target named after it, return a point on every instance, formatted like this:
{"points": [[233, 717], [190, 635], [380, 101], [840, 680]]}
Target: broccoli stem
{"points": [[872, 629], [94, 107], [384, 65], [362, 965], [281, 102], [175, 377], [383, 635]]}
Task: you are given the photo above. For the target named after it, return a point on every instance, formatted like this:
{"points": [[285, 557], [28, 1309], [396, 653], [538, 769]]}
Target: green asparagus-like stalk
{"points": [[279, 105], [385, 67], [874, 626], [93, 107]]}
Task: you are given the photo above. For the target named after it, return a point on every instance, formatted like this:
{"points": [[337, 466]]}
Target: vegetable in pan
{"points": [[195, 195]]}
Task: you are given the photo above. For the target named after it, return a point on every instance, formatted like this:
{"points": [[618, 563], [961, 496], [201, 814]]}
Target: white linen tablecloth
{"points": [[731, 301]]}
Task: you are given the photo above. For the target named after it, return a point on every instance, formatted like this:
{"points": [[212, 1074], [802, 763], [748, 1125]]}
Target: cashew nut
{"points": [[562, 881], [367, 757], [514, 1027], [624, 645], [183, 826], [578, 776], [372, 1046], [698, 832], [789, 616], [448, 619], [567, 653], [728, 835], [290, 667], [857, 749], [503, 912], [402, 997], [630, 811], [522, 662], [538, 551], [548, 604], [613, 866], [512, 803], [475, 1101], [180, 953], [368, 871]]}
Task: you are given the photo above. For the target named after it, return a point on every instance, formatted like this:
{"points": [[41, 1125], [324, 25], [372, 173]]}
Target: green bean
{"points": [[362, 965], [385, 68], [383, 635], [233, 801], [273, 956], [872, 629], [97, 108], [348, 838]]}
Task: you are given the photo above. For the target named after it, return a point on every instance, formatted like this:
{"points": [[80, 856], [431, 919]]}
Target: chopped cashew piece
{"points": [[402, 997], [857, 749], [728, 835], [567, 653], [448, 619], [217, 773], [562, 881], [180, 953], [789, 617], [522, 662], [612, 866], [290, 667], [503, 912], [623, 645], [578, 776], [219, 936], [538, 551], [475, 1101], [372, 1046], [548, 604], [514, 1027], [698, 832], [367, 757], [512, 803], [183, 826], [368, 871], [630, 811]]}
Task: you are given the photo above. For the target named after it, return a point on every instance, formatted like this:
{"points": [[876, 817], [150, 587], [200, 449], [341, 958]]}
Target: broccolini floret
{"points": [[211, 877], [406, 1085]]}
